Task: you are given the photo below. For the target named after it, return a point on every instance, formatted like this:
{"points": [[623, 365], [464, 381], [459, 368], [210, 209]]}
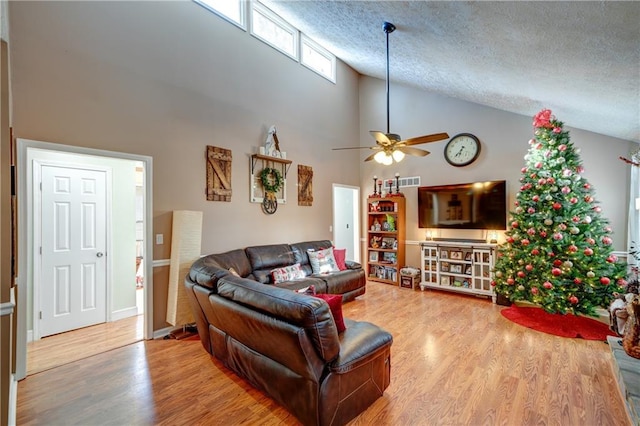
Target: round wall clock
{"points": [[462, 149]]}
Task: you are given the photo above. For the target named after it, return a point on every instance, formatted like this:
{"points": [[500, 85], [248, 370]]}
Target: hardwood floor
{"points": [[455, 361], [59, 349]]}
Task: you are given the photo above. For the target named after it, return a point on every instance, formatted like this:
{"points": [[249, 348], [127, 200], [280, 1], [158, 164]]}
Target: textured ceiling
{"points": [[579, 59]]}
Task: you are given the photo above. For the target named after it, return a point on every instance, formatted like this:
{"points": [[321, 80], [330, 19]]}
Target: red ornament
{"points": [[529, 267], [534, 290], [547, 285], [573, 300], [493, 283], [577, 280], [510, 281], [557, 262], [588, 251], [557, 206], [556, 272], [521, 274], [535, 252], [573, 248], [605, 280]]}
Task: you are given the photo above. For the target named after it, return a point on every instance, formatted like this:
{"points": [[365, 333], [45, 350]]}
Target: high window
{"points": [[273, 30], [318, 59], [231, 10], [276, 32]]}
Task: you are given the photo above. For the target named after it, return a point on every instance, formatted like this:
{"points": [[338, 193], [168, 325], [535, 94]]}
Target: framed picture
{"points": [[457, 255], [389, 257], [485, 257], [445, 281], [467, 270], [444, 266], [467, 256], [444, 254], [388, 242], [373, 256], [456, 268]]}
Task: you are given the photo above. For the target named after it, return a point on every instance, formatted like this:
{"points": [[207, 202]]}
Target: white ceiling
{"points": [[579, 59]]}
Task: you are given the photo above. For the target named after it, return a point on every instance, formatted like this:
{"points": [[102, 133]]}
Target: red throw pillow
{"points": [[340, 255], [335, 304]]}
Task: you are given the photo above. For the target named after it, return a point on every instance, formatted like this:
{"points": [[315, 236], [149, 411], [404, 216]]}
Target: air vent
{"points": [[409, 181]]}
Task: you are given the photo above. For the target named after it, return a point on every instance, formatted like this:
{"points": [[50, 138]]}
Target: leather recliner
{"points": [[287, 345]]}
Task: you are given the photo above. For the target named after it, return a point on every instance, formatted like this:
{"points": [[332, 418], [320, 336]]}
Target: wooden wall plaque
{"points": [[218, 174], [305, 185]]}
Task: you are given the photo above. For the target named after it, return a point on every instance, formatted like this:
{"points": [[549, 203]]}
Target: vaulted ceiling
{"points": [[579, 59]]}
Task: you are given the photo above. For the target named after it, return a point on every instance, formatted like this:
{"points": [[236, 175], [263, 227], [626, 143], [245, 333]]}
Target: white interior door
{"points": [[346, 228], [73, 261]]}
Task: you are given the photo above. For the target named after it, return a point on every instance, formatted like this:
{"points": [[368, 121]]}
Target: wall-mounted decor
{"points": [[305, 185], [264, 165], [218, 174]]}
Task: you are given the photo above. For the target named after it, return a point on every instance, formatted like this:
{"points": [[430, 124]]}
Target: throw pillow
{"points": [[234, 272], [340, 256], [307, 290], [322, 261], [335, 304], [287, 273]]}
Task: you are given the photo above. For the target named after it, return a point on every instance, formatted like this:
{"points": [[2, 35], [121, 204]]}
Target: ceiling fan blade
{"points": [[380, 137], [369, 158], [427, 138], [413, 151]]}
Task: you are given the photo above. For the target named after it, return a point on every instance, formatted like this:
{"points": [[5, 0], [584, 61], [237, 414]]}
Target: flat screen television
{"points": [[477, 205]]}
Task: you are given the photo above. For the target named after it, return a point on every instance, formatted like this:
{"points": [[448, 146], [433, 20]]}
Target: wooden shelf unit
{"points": [[385, 261], [465, 267]]}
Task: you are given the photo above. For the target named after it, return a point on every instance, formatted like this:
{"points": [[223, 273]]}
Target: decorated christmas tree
{"points": [[558, 249]]}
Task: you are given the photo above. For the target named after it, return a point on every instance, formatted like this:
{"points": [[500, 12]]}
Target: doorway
{"points": [[119, 304], [346, 220]]}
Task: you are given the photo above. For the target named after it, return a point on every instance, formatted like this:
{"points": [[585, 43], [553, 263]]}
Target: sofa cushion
{"points": [[300, 252], [265, 258], [322, 261], [340, 256], [287, 273], [335, 304]]}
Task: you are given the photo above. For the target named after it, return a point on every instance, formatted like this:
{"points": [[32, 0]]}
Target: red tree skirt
{"points": [[557, 324]]}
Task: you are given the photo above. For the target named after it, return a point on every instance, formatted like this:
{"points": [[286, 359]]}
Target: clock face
{"points": [[462, 150]]}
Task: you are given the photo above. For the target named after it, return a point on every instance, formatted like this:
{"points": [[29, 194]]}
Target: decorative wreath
{"points": [[271, 179]]}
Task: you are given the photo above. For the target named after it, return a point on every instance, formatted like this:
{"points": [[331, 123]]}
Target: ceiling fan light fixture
{"points": [[387, 160], [380, 156], [398, 155]]}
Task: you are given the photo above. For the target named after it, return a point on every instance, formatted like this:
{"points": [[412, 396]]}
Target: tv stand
{"points": [[461, 266]]}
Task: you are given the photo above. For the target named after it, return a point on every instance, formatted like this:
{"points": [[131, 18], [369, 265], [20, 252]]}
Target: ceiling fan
{"points": [[390, 146]]}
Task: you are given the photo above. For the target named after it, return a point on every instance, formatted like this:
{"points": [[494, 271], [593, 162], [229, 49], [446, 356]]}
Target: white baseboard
{"points": [[124, 313], [159, 334], [13, 400]]}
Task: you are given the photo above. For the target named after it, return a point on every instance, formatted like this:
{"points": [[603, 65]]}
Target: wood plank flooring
{"points": [[455, 361], [59, 349]]}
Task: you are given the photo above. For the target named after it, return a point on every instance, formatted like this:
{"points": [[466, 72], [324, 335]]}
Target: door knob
{"points": [[99, 254]]}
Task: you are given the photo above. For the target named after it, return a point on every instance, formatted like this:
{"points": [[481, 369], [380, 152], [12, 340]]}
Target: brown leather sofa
{"points": [[287, 345], [257, 262]]}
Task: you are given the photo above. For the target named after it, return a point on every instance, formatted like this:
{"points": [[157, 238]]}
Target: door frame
{"points": [[36, 212], [355, 217], [25, 235]]}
